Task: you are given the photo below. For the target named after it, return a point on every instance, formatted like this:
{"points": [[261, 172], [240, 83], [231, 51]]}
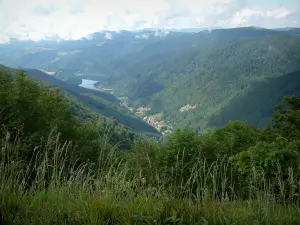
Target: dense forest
{"points": [[202, 72], [256, 105], [210, 78], [59, 167]]}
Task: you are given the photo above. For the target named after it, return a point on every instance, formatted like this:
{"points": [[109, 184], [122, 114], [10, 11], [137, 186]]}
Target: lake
{"points": [[90, 84]]}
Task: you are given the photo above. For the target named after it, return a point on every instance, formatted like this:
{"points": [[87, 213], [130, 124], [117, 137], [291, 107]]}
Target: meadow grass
{"points": [[51, 189]]}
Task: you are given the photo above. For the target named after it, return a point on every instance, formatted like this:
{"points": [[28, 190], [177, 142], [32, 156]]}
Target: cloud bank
{"points": [[74, 19]]}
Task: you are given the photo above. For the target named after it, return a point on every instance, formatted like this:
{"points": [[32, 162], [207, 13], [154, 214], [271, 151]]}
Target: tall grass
{"points": [[52, 188]]}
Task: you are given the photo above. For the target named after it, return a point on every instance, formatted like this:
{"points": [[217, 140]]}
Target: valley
{"points": [[150, 112], [153, 121], [152, 127], [187, 78]]}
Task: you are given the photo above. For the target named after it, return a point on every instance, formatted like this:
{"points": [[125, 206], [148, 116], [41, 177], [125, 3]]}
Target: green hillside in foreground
{"points": [[257, 104], [57, 168]]}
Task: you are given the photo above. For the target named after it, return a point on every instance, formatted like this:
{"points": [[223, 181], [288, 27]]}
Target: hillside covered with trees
{"points": [[230, 99], [210, 78], [57, 168], [97, 102], [257, 104], [187, 79]]}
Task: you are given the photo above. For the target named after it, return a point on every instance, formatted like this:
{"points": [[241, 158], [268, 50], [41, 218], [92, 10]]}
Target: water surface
{"points": [[90, 84]]}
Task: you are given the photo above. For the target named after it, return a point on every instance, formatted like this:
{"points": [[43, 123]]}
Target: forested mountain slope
{"points": [[294, 31], [183, 47], [54, 165], [185, 78], [63, 162], [98, 55], [100, 102], [125, 50], [212, 77], [257, 104]]}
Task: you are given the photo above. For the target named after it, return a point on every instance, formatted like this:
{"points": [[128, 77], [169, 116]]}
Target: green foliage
{"points": [[278, 150], [257, 105], [287, 119], [62, 163], [142, 159], [182, 148], [212, 77], [38, 111], [269, 157], [98, 101], [235, 137], [209, 69], [63, 193], [175, 183]]}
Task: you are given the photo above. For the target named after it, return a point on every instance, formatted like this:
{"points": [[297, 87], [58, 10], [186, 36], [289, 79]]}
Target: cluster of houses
{"points": [[187, 107], [160, 126]]}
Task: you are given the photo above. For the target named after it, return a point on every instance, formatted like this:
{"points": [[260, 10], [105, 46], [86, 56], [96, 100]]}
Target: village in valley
{"points": [[154, 120]]}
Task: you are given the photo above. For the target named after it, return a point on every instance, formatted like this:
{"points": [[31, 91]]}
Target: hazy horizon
{"points": [[74, 19]]}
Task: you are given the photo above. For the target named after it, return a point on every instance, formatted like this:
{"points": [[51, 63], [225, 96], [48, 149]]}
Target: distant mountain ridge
{"points": [[184, 30], [210, 77], [110, 56], [285, 28], [169, 70]]}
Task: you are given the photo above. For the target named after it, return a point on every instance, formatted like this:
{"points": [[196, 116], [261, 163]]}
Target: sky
{"points": [[75, 19]]}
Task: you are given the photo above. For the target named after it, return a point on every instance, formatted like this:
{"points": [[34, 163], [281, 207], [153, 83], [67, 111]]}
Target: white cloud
{"points": [[74, 19], [279, 13], [247, 17], [108, 36]]}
